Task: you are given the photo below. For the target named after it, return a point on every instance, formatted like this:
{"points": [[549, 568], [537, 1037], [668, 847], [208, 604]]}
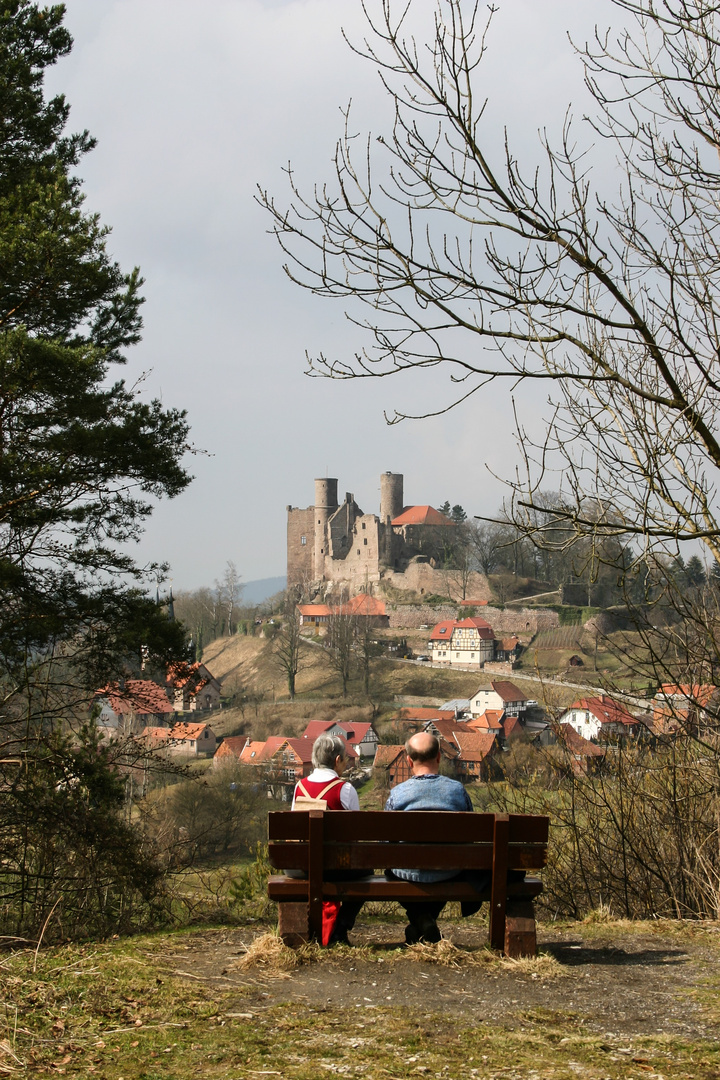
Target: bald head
{"points": [[423, 750]]}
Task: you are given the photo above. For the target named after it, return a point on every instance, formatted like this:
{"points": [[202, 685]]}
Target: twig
{"points": [[42, 933]]}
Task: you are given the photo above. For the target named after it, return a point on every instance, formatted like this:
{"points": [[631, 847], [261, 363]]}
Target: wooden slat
{"points": [[426, 825], [499, 882], [315, 826], [374, 856], [379, 888]]}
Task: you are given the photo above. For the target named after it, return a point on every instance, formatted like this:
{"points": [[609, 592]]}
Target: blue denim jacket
{"points": [[428, 792]]}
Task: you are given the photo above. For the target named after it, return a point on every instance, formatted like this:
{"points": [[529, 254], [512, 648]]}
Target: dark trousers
{"points": [[420, 911]]}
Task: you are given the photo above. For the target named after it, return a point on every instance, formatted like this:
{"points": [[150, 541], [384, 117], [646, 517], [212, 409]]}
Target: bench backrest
{"points": [[431, 840]]}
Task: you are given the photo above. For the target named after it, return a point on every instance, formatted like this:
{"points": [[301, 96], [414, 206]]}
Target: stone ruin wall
{"points": [[524, 622]]}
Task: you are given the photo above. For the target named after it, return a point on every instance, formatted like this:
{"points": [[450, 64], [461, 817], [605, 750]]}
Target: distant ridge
{"points": [[254, 592]]}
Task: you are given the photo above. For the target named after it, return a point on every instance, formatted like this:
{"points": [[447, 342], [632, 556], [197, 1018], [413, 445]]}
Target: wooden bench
{"points": [[316, 841]]}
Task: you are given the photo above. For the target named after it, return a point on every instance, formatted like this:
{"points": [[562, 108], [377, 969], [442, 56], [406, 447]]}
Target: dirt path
{"points": [[616, 979]]}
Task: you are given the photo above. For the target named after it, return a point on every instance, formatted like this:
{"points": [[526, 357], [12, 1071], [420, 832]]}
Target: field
{"points": [[604, 1000]]}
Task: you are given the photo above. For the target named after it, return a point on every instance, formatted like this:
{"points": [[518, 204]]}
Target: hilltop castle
{"points": [[331, 542]]}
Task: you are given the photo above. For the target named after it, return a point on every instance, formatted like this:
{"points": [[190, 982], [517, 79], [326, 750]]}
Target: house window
{"points": [[303, 540]]}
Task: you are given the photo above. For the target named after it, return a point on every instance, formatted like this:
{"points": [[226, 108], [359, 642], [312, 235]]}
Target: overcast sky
{"points": [[193, 104]]}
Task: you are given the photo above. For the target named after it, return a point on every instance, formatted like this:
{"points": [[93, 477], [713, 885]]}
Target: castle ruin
{"points": [[334, 543]]}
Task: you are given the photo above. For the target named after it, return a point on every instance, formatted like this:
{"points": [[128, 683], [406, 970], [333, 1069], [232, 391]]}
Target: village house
{"points": [[583, 756], [314, 614], [361, 737], [192, 688], [489, 721], [390, 766], [684, 707], [229, 750], [364, 608], [499, 695], [181, 740], [475, 751], [125, 707], [598, 717], [463, 643]]}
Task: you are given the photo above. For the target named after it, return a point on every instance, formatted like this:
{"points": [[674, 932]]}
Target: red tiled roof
{"points": [[421, 515], [411, 713], [178, 675], [605, 710], [252, 751], [363, 604], [317, 727], [443, 631], [232, 746], [511, 726], [490, 720], [473, 603], [355, 733], [140, 696], [507, 691], [446, 728], [473, 745], [311, 610], [575, 743], [183, 731], [694, 695], [387, 755]]}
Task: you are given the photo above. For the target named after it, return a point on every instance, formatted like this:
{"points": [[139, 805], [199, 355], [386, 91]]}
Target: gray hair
{"points": [[326, 750]]}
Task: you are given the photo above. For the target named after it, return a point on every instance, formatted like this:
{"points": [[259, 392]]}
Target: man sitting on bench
{"points": [[428, 790]]}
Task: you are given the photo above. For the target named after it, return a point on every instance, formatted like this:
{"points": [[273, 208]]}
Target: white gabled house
{"points": [[595, 717], [498, 695], [463, 643]]}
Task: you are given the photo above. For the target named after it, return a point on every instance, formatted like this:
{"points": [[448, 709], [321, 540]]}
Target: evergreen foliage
{"points": [[82, 456]]}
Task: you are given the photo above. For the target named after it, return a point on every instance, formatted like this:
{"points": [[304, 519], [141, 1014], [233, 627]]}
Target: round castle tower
{"points": [[325, 504], [391, 496]]}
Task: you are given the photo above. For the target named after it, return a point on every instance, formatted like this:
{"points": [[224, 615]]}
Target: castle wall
{"points": [[300, 545], [361, 564]]}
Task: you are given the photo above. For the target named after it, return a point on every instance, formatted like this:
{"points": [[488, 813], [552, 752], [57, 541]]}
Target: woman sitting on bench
{"points": [[329, 758]]}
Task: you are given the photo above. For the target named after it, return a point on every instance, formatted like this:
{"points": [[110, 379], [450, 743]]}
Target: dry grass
{"points": [[446, 954], [268, 955]]}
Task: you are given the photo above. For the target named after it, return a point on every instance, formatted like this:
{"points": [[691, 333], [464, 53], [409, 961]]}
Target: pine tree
{"points": [[81, 456]]}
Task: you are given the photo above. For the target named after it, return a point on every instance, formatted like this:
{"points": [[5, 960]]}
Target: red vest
{"points": [[313, 789]]}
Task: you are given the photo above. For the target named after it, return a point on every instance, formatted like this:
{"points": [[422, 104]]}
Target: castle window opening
{"points": [[365, 541], [358, 551], [363, 524], [303, 540]]}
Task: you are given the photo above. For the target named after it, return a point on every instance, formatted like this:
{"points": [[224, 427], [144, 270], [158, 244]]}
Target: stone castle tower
{"points": [[331, 542]]}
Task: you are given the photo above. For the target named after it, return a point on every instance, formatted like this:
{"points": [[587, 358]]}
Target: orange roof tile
{"points": [[311, 610], [490, 720], [424, 713], [473, 745], [140, 696], [363, 604], [387, 755], [605, 710], [252, 751], [421, 515]]}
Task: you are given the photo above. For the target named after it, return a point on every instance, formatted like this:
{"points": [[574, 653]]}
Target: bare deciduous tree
{"points": [[500, 271], [286, 647]]}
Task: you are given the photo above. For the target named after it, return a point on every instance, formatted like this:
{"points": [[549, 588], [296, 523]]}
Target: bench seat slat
{"points": [[372, 856], [379, 888], [382, 826]]}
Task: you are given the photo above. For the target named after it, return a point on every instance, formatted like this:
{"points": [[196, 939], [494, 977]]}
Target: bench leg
{"points": [[293, 923], [520, 934]]}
